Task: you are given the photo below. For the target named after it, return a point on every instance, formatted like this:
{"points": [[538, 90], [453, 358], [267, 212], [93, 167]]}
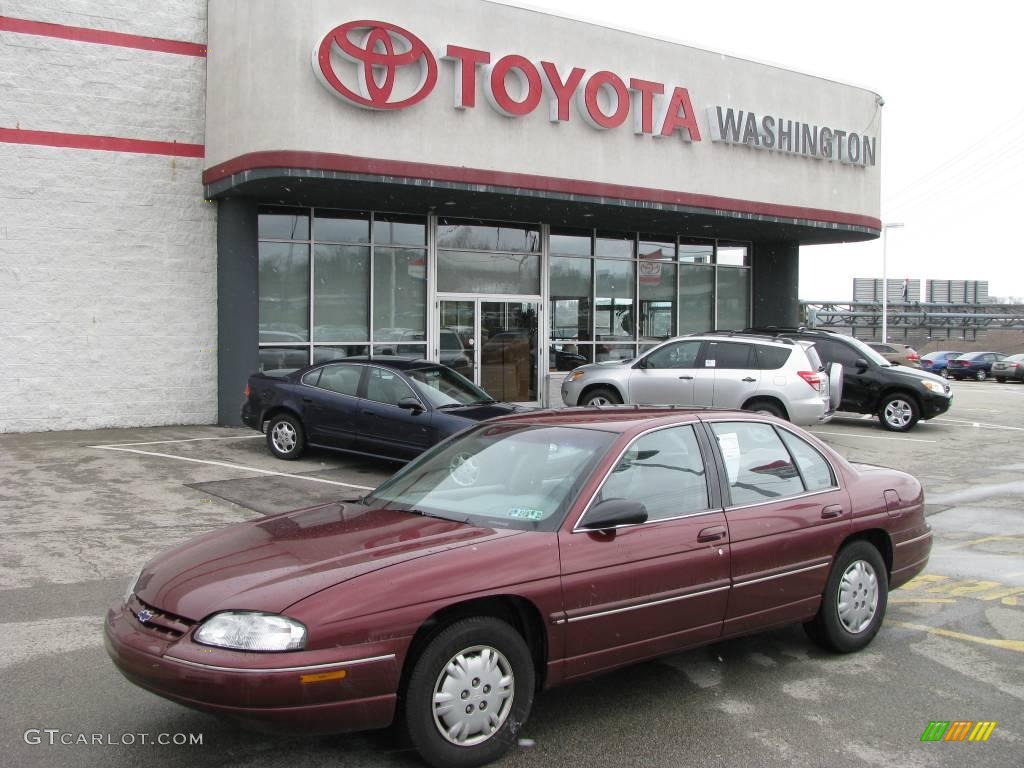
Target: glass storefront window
{"points": [[399, 294], [614, 302], [614, 246], [733, 298], [696, 299], [389, 229], [341, 293], [732, 255], [605, 352], [283, 358], [473, 272], [696, 251], [657, 300], [571, 287], [657, 249], [462, 235], [280, 223], [570, 242], [324, 354], [564, 356], [283, 292], [341, 226]]}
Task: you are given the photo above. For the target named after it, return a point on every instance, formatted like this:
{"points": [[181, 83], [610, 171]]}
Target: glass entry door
{"points": [[493, 343]]}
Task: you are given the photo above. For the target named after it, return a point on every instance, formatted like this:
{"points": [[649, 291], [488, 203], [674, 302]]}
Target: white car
{"points": [[765, 374]]}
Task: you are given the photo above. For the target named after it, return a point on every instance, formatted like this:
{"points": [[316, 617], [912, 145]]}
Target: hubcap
{"points": [[898, 413], [473, 695], [600, 400], [982, 375], [284, 437], [858, 597]]}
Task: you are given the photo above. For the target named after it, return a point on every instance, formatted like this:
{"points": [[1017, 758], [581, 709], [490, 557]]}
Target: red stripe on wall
{"points": [[104, 143], [86, 35], [363, 165]]}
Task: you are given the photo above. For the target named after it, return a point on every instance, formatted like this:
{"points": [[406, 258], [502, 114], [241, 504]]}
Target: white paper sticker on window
{"points": [[709, 363], [730, 446]]}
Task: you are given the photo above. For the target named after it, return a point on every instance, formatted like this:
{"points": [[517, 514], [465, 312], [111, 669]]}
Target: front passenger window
{"points": [[682, 354], [664, 471]]}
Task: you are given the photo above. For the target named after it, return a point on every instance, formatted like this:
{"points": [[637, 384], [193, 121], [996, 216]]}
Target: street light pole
{"points": [[885, 282]]}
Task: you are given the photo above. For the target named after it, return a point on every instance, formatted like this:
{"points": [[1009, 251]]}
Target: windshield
{"points": [[499, 475], [869, 354], [443, 386]]}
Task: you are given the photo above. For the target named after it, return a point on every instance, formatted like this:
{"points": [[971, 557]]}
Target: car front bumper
{"points": [[933, 404], [288, 691]]}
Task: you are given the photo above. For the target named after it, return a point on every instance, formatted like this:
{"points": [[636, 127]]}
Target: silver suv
{"points": [[779, 376]]}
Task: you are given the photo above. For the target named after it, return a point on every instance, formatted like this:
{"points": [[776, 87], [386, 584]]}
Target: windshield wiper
{"points": [[424, 513], [486, 401], [451, 405]]}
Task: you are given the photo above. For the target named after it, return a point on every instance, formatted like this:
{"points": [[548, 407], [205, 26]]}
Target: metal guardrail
{"points": [[912, 316]]}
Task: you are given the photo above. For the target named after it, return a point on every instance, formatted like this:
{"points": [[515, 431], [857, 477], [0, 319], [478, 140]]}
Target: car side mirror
{"points": [[410, 404], [861, 364], [613, 512], [642, 364]]}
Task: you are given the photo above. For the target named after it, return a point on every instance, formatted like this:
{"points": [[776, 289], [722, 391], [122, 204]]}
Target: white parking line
{"points": [[231, 466], [871, 437], [962, 423], [188, 440]]}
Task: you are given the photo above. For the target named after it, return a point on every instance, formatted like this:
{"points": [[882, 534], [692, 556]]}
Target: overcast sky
{"points": [[952, 124]]}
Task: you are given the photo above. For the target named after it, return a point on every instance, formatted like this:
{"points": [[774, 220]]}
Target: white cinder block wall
{"points": [[108, 278]]}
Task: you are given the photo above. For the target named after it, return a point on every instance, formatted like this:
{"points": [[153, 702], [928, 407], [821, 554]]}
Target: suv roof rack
{"points": [[748, 332]]}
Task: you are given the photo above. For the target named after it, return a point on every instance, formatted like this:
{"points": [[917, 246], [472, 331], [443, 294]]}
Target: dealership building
{"points": [[193, 191]]}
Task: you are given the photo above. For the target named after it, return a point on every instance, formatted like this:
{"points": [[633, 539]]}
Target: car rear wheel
{"points": [[285, 437], [765, 406], [853, 606], [601, 396], [898, 412], [470, 692], [981, 375], [944, 373], [1001, 379]]}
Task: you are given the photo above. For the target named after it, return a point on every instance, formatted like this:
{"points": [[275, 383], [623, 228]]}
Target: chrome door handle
{"points": [[749, 379], [688, 378], [833, 510]]}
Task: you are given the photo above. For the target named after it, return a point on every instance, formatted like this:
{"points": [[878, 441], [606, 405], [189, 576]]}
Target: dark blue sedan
{"points": [[973, 365], [391, 407]]}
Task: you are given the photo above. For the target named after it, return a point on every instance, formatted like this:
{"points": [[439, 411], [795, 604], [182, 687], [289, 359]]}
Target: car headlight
{"points": [[933, 386], [131, 586], [252, 631], [576, 375]]}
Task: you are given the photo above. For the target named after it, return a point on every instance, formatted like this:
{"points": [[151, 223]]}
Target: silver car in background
{"points": [[764, 374]]}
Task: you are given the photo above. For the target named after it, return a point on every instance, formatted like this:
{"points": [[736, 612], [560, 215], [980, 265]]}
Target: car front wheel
{"points": [[1000, 379], [853, 606], [601, 396], [898, 412], [285, 437], [469, 693]]}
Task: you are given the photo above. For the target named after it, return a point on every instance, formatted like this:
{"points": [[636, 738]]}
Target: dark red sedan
{"points": [[528, 551]]}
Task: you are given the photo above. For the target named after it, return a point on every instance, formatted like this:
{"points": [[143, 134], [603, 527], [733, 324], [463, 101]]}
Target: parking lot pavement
{"points": [[76, 520]]}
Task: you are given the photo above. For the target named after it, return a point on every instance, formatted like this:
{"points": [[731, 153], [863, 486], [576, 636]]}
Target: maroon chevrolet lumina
{"points": [[525, 552]]}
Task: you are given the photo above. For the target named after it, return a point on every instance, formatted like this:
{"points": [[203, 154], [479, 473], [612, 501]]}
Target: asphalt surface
{"points": [[76, 521]]}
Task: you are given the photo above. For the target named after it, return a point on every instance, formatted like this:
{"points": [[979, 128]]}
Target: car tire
{"points": [[981, 375], [765, 406], [853, 606], [944, 373], [286, 437], [486, 664], [1001, 379], [898, 412], [601, 396]]}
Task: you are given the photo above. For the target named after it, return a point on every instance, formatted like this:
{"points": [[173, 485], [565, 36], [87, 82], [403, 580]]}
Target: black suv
{"points": [[898, 395]]}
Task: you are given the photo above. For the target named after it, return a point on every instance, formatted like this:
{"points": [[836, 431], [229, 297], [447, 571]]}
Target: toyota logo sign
{"points": [[377, 53]]}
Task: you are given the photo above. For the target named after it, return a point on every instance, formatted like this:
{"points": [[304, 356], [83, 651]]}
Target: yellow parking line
{"points": [[921, 600], [972, 542], [1006, 645]]}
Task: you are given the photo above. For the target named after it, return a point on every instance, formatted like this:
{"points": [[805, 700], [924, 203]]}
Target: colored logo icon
{"points": [[958, 730], [374, 56]]}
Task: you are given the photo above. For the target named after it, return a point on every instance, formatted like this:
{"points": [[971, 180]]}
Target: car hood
{"points": [[916, 373], [484, 411], [269, 564]]}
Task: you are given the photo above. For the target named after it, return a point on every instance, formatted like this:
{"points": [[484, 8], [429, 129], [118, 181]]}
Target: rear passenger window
{"points": [[664, 471], [730, 355], [817, 473], [343, 379], [772, 358], [757, 465]]}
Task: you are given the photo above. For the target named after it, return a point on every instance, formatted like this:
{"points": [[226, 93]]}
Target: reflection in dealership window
{"points": [[816, 471], [341, 301], [757, 464], [696, 299], [443, 386], [664, 471], [284, 292], [733, 298]]}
